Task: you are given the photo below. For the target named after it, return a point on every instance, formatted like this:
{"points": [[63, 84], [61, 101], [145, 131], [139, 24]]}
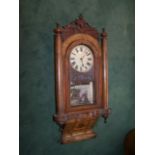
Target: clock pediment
{"points": [[78, 26]]}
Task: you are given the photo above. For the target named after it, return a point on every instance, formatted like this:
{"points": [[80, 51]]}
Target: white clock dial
{"points": [[81, 58]]}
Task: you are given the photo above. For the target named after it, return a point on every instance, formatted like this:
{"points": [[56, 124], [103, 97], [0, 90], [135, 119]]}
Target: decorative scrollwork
{"points": [[78, 26]]}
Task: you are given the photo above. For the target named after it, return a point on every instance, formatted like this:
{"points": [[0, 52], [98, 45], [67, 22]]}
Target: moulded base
{"points": [[77, 136]]}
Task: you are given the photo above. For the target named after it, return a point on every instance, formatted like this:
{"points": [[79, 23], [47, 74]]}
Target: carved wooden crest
{"points": [[78, 26]]}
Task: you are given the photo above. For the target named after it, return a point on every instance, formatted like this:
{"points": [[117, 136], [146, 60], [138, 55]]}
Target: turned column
{"points": [[59, 70], [105, 74]]}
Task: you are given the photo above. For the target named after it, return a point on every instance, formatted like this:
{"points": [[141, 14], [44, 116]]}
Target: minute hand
{"points": [[82, 61]]}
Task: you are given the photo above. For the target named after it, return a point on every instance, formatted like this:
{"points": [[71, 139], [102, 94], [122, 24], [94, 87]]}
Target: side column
{"points": [[105, 75], [58, 70]]}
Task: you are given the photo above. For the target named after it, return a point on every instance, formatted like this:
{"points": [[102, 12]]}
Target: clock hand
{"points": [[82, 61]]}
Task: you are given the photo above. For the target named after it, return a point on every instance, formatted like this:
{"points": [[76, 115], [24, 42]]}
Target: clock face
{"points": [[81, 58]]}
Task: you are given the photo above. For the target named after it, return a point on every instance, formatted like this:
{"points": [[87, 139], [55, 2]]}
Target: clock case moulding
{"points": [[76, 122]]}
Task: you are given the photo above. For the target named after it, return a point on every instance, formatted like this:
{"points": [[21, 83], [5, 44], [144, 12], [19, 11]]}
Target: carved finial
{"points": [[103, 29], [106, 113], [57, 25], [58, 28], [104, 34], [80, 16]]}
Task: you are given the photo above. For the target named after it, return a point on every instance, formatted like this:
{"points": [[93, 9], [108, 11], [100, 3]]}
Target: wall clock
{"points": [[81, 69]]}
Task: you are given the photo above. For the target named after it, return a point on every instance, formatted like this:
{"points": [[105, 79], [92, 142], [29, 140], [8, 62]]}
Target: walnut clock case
{"points": [[81, 68]]}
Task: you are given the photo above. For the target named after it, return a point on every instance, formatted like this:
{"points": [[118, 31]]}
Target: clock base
{"points": [[78, 129], [78, 136]]}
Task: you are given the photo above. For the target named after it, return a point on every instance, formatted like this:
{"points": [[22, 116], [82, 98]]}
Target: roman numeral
{"points": [[85, 67], [73, 63], [81, 49], [89, 59], [76, 67], [77, 50], [88, 63], [72, 58], [73, 53], [88, 54]]}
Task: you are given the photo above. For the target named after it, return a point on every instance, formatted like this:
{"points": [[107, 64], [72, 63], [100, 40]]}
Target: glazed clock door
{"points": [[81, 62]]}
